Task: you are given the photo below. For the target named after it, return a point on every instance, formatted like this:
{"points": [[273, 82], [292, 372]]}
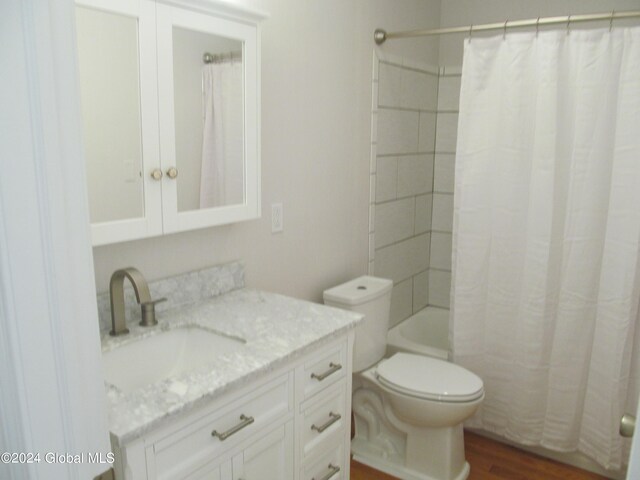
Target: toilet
{"points": [[408, 408]]}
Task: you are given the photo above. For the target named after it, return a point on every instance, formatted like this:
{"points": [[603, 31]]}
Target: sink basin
{"points": [[164, 355]]}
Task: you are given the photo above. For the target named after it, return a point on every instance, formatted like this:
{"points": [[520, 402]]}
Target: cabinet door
{"points": [[268, 458], [118, 87], [208, 91], [217, 472]]}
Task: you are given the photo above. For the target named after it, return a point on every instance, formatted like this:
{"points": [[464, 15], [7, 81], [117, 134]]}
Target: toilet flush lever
{"points": [[333, 368]]}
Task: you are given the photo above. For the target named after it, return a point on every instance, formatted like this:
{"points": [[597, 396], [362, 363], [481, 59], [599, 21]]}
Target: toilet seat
{"points": [[429, 378]]}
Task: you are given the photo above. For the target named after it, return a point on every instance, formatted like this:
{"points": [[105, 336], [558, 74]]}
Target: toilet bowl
{"points": [[409, 408], [428, 392]]}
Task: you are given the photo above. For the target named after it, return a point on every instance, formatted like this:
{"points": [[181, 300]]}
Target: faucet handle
{"points": [[149, 312]]}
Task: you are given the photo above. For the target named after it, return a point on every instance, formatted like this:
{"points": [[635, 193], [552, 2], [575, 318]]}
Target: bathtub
{"points": [[424, 333]]}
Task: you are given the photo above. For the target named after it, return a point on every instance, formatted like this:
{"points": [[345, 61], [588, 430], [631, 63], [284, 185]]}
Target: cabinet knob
{"points": [[627, 425], [172, 172], [156, 174]]}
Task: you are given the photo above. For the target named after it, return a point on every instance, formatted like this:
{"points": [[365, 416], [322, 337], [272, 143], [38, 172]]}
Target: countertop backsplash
{"points": [[180, 290]]}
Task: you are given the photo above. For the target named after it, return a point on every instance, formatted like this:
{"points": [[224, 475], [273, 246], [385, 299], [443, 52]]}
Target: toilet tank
{"points": [[370, 296]]}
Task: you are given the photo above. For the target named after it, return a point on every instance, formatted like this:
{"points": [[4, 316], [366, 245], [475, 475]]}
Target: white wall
{"points": [[467, 12], [316, 110]]}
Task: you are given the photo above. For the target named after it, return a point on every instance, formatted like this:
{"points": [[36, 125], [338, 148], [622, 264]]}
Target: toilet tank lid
{"points": [[358, 291]]}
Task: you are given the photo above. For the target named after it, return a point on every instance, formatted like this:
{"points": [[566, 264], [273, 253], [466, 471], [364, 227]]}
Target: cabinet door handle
{"points": [[334, 418], [245, 422], [333, 469], [333, 368], [156, 174], [172, 172]]}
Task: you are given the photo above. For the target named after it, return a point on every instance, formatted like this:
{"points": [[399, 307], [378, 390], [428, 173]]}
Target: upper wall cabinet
{"points": [[170, 99]]}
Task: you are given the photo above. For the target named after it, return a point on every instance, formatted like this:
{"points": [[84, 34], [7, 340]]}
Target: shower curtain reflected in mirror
{"points": [[546, 240], [222, 174]]}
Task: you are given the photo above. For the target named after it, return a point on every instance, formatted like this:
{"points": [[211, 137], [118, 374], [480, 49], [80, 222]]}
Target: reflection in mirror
{"points": [[110, 97], [209, 120]]}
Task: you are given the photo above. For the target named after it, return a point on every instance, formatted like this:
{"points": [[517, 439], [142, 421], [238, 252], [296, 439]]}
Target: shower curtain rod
{"points": [[380, 35]]}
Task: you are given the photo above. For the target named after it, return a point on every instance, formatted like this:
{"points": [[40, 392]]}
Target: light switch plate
{"points": [[277, 221]]}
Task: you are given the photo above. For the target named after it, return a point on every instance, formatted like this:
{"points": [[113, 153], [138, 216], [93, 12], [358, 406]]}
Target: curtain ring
{"points": [[504, 33], [470, 32], [537, 26], [568, 23], [613, 12]]}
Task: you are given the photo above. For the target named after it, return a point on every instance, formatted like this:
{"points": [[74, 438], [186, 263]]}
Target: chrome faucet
{"points": [[140, 287]]}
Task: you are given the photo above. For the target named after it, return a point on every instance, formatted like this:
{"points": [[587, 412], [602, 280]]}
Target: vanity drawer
{"points": [[328, 466], [202, 440], [323, 421], [324, 370]]}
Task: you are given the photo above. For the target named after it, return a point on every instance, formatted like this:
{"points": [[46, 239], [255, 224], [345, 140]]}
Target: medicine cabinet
{"points": [[170, 99]]}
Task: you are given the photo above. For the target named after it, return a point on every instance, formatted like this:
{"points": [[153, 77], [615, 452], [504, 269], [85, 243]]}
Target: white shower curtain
{"points": [[546, 263], [221, 179]]}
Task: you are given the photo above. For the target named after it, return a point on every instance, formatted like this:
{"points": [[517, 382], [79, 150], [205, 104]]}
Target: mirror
{"points": [[110, 98], [208, 72]]}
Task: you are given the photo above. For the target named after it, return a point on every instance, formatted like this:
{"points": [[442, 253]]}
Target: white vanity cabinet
{"points": [[170, 98], [269, 457], [289, 424]]}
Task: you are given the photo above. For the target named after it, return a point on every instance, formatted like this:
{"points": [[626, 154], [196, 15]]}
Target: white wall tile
{"points": [[420, 291], [401, 302], [449, 93], [427, 133], [404, 259], [415, 175], [424, 205], [374, 127], [372, 247], [372, 217], [446, 132], [419, 90], [452, 70], [374, 158], [406, 88], [397, 131], [376, 66], [440, 256], [375, 87], [394, 221], [439, 288], [386, 178], [444, 172], [390, 85], [372, 188], [442, 219], [418, 65]]}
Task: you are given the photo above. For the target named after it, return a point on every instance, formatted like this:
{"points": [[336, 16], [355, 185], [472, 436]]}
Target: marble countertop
{"points": [[276, 329]]}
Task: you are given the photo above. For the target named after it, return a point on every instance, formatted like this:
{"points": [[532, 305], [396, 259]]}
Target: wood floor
{"points": [[492, 460]]}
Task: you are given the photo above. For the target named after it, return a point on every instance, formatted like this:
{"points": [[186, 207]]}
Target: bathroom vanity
{"points": [[269, 400]]}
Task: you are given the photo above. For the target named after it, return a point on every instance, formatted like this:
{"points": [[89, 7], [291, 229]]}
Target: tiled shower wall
{"points": [[443, 176], [413, 132], [403, 147]]}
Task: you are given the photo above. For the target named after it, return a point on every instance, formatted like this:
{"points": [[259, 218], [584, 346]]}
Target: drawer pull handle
{"points": [[245, 422], [333, 368], [333, 469], [334, 418]]}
